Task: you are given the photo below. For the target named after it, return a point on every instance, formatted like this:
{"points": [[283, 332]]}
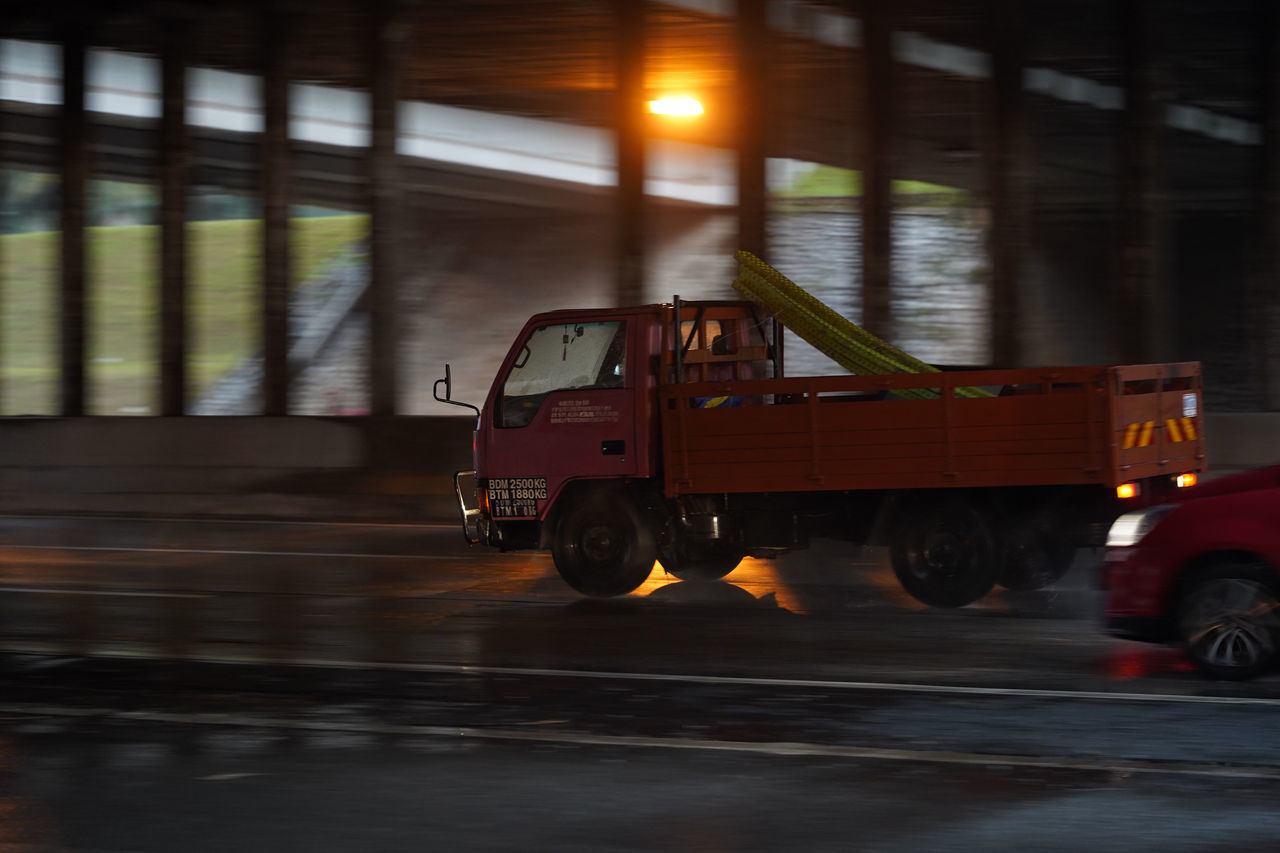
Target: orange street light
{"points": [[676, 106]]}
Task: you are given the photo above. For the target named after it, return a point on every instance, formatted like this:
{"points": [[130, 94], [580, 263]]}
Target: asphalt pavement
{"points": [[180, 685]]}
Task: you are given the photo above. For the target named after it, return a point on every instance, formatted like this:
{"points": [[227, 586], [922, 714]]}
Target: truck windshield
{"points": [[562, 357]]}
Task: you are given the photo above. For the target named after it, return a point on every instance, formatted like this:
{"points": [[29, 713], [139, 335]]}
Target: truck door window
{"points": [[562, 357]]}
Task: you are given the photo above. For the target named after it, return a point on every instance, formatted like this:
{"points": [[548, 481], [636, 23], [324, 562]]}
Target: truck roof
{"points": [[651, 307]]}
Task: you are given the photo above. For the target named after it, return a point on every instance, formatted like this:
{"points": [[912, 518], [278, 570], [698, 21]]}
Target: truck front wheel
{"points": [[943, 552], [602, 547]]}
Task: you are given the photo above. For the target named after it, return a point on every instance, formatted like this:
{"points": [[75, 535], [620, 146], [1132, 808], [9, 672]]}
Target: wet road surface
{"points": [[213, 685]]}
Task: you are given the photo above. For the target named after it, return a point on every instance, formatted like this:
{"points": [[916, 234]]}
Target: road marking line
{"points": [[870, 686], [228, 552], [283, 522], [879, 686], [126, 594], [1103, 765], [227, 777]]}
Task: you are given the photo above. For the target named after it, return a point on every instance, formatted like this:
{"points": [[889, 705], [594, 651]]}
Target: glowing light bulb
{"points": [[676, 106]]}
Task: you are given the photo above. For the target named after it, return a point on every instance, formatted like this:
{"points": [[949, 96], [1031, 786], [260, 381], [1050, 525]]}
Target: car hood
{"points": [[1243, 481]]}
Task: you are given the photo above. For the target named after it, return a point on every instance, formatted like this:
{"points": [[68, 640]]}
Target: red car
{"points": [[1204, 571]]}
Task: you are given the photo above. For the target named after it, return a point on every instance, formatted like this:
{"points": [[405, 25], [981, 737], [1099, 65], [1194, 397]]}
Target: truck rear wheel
{"points": [[691, 558], [943, 552], [602, 547], [1036, 548], [1032, 561], [699, 561]]}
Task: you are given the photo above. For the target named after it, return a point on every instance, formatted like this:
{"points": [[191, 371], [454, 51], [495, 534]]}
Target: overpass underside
{"points": [[1123, 156]]}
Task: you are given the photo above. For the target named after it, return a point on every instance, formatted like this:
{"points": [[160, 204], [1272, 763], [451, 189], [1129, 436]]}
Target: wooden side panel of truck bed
{"points": [[1054, 427]]}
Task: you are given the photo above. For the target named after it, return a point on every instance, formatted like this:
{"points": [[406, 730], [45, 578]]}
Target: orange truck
{"points": [[669, 432]]}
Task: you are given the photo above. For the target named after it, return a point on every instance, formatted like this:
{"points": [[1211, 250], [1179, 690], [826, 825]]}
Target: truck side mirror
{"points": [[447, 397], [448, 386]]}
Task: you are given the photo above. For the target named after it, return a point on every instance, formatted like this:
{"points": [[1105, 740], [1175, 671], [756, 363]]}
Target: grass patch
{"points": [[834, 182], [123, 322]]}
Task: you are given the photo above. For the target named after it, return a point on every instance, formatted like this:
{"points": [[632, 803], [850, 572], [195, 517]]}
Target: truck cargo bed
{"points": [[1082, 425]]}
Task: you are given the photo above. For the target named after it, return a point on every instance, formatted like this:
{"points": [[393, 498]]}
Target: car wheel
{"points": [[1229, 620], [602, 547], [943, 552]]}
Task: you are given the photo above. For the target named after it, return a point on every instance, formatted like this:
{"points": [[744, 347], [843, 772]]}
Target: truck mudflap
{"points": [[471, 516]]}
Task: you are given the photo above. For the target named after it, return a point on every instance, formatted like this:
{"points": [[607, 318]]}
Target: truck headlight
{"points": [[1128, 530]]}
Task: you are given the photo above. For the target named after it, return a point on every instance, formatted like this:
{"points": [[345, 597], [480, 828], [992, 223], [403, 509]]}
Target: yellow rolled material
{"points": [[844, 342]]}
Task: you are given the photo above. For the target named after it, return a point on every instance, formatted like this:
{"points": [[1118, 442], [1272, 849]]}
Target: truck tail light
{"points": [[1127, 491], [1185, 481], [482, 498]]}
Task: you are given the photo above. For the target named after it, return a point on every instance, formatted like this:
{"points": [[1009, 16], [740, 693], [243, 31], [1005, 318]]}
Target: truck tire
{"points": [[1037, 543], [602, 547], [943, 552], [698, 561], [1033, 558], [1229, 620]]}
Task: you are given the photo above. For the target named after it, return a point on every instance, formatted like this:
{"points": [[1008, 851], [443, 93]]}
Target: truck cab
{"points": [[572, 413]]}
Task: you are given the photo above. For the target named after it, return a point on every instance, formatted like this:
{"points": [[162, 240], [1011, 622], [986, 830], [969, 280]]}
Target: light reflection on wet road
{"points": [[360, 687]]}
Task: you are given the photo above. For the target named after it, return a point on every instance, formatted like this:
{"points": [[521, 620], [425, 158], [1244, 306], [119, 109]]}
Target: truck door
{"points": [[565, 408]]}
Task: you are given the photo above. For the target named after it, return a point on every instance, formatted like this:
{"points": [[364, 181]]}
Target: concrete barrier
{"points": [[358, 468], [353, 469], [1236, 441]]}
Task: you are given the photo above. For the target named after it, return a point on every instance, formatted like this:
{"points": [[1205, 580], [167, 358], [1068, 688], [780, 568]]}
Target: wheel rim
{"points": [[600, 543], [1233, 624], [944, 552]]}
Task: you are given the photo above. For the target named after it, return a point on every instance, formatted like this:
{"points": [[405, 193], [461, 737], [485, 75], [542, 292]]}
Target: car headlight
{"points": [[1128, 529]]}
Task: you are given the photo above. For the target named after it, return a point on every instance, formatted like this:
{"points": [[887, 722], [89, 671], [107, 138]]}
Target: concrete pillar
{"points": [[389, 35], [1005, 149], [1264, 292], [1143, 309], [174, 162], [629, 128], [4, 279], [875, 85], [73, 165], [753, 118], [274, 167]]}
